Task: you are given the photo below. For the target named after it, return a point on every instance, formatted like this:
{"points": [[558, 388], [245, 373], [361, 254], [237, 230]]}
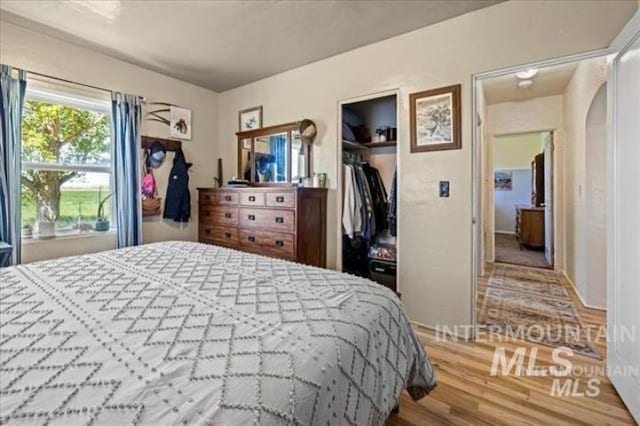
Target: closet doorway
{"points": [[368, 132]]}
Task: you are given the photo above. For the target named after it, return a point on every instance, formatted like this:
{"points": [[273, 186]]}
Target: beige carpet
{"points": [[507, 250], [537, 301]]}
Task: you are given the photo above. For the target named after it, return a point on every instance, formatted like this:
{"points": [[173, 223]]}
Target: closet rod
{"points": [[142, 98]]}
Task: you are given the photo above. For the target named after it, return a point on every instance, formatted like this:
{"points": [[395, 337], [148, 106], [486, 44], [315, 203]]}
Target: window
{"points": [[66, 159]]}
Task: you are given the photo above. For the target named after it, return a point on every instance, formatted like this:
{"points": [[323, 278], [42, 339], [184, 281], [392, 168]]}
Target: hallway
{"points": [[509, 251]]}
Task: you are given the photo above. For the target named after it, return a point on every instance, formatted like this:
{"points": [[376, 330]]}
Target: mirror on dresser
{"points": [[273, 156]]}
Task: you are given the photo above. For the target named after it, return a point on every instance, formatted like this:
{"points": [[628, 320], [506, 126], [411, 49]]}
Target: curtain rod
{"points": [[142, 98]]}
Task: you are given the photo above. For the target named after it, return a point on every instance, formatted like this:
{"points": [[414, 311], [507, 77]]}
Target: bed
{"points": [[187, 333]]}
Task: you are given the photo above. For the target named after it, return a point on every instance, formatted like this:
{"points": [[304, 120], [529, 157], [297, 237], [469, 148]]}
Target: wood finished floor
{"points": [[467, 395]]}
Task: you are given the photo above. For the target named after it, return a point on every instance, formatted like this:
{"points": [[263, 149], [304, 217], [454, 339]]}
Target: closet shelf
{"points": [[380, 144], [352, 146]]}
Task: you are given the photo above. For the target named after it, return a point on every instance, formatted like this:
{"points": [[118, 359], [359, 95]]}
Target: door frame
{"points": [[625, 386], [476, 161]]}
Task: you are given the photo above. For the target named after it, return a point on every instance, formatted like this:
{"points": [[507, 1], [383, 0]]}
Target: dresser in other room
{"points": [[288, 223], [530, 226]]}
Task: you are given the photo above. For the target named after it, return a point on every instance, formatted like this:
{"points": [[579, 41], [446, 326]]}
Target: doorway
{"points": [[535, 131], [368, 243], [523, 198]]}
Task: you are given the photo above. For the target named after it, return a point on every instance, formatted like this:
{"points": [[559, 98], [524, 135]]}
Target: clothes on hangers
{"points": [[392, 206], [365, 200]]}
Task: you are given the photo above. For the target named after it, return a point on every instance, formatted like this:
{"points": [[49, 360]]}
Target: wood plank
{"points": [[468, 394]]}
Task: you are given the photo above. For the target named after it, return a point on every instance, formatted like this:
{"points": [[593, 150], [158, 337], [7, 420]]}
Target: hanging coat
{"points": [[178, 201]]}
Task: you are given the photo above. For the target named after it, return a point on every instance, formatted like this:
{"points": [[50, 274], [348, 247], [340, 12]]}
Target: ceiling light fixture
{"points": [[525, 84], [526, 75]]}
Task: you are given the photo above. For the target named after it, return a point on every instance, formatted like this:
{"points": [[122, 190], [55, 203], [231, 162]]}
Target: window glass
{"points": [[66, 162]]}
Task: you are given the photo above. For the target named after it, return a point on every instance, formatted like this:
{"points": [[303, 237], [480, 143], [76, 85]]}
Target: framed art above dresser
{"points": [[286, 223]]}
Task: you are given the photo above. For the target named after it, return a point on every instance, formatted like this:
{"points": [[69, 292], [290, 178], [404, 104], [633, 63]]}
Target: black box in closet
{"points": [[383, 272]]}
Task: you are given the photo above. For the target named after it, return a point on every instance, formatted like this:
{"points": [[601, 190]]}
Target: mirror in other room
{"points": [[274, 155]]}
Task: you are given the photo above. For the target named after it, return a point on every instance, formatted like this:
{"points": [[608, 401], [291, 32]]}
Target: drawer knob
{"points": [[252, 198], [227, 234], [279, 219], [207, 198], [251, 238], [227, 215], [280, 199], [252, 217], [227, 197], [207, 231], [279, 243]]}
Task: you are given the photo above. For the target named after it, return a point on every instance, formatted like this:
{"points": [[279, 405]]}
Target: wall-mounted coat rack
{"points": [[168, 144]]}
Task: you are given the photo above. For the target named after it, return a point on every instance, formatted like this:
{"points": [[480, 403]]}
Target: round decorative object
{"points": [[308, 130]]}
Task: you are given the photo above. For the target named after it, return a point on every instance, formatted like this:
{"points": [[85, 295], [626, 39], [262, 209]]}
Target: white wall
{"points": [[579, 94], [516, 151], [435, 233], [35, 52], [534, 115], [520, 194], [596, 202]]}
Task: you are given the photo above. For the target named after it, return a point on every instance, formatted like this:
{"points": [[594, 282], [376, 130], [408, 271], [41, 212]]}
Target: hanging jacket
{"points": [[392, 205], [178, 201]]}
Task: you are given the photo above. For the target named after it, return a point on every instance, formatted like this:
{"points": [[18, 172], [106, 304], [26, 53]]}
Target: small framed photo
{"points": [[250, 119], [435, 119], [503, 181], [180, 123]]}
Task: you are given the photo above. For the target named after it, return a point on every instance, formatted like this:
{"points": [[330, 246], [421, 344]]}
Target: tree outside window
{"points": [[66, 157]]}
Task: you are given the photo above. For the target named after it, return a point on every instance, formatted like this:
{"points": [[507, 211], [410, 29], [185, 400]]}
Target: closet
{"points": [[369, 193]]}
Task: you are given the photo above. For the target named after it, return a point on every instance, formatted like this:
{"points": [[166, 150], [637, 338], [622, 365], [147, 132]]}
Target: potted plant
{"points": [[47, 223], [102, 224], [27, 230]]}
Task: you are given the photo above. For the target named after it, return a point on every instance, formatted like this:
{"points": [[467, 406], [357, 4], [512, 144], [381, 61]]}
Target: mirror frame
{"points": [[287, 128]]}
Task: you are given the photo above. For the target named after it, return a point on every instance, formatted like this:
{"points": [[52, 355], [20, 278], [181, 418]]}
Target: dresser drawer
{"points": [[221, 235], [219, 215], [206, 198], [281, 199], [280, 220], [252, 199], [268, 243], [227, 198]]}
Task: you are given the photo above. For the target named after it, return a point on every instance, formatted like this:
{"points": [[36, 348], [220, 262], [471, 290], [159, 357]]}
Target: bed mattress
{"points": [[187, 333]]}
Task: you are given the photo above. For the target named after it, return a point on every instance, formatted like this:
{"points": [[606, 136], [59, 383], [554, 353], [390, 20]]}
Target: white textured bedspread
{"points": [[186, 333]]}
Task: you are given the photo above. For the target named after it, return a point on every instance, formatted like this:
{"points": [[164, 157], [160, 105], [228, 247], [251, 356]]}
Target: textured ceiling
{"points": [[547, 82], [221, 45]]}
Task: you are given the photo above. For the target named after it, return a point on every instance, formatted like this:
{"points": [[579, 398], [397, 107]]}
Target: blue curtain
{"points": [[125, 129], [12, 92], [278, 148]]}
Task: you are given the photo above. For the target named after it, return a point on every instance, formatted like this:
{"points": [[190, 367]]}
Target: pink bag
{"points": [[149, 185]]}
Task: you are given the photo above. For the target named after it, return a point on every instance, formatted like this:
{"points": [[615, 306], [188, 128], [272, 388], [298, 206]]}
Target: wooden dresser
{"points": [[530, 226], [289, 223]]}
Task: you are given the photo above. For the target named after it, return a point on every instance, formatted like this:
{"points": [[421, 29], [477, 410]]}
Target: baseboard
{"points": [[436, 330], [575, 290], [504, 232]]}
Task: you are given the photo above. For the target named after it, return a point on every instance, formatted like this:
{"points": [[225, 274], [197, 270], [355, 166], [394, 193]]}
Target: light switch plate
{"points": [[444, 188]]}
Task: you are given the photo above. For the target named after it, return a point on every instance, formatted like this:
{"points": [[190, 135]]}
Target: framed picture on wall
{"points": [[250, 119], [435, 119], [180, 123], [503, 181]]}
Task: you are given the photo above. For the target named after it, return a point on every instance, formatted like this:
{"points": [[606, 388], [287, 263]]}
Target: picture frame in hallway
{"points": [[435, 119], [250, 119], [503, 181]]}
